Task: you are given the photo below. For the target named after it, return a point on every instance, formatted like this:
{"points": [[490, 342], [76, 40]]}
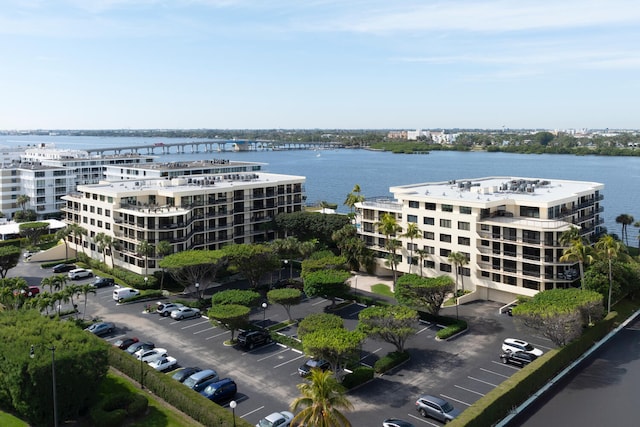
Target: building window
{"points": [[429, 235], [446, 223], [485, 227], [429, 249], [107, 226], [414, 204], [445, 267], [463, 225], [412, 218], [530, 211], [445, 238], [429, 264], [465, 210], [465, 241], [428, 221], [445, 252], [447, 208], [430, 206]]}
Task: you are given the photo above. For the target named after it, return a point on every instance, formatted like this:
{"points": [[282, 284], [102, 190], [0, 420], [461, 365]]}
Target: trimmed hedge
{"points": [[287, 340], [360, 375], [451, 330], [390, 361], [171, 391], [499, 402]]}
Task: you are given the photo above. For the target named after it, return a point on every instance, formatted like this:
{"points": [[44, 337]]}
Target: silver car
{"points": [[435, 407]]}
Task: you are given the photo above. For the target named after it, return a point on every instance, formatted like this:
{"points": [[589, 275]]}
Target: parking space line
{"points": [[289, 361], [482, 381], [251, 412], [494, 373], [469, 390], [322, 301], [217, 335], [373, 352], [506, 365], [272, 355], [423, 329], [195, 324], [455, 400], [424, 420], [204, 330]]}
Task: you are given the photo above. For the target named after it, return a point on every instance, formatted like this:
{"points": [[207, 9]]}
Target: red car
{"points": [[124, 343], [28, 291]]}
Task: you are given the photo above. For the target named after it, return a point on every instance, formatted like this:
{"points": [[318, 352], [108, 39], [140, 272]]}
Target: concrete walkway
{"points": [[363, 282]]}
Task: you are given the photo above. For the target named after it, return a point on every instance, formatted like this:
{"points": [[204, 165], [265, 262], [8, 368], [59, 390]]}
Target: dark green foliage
{"points": [[455, 328], [25, 215], [310, 225], [138, 405], [252, 260], [327, 262], [9, 258], [423, 292], [360, 375], [336, 346], [286, 297], [287, 340], [317, 321], [237, 296], [393, 324], [33, 231], [327, 283], [26, 383], [12, 242], [230, 316], [103, 418], [390, 361]]}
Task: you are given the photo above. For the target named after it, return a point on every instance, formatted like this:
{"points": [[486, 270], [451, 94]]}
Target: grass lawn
{"points": [[7, 420], [382, 289]]}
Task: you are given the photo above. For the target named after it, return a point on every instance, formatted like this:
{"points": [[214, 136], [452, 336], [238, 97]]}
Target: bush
{"points": [[359, 376], [116, 401], [451, 330], [287, 340], [102, 418], [390, 361], [138, 405]]}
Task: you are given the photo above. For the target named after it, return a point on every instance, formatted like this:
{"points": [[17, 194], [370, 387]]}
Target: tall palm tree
{"points": [[321, 399], [412, 232], [99, 241], [86, 289], [145, 249], [609, 248], [458, 259], [568, 236], [48, 281], [22, 201], [625, 220], [59, 280], [579, 252], [390, 227], [163, 248], [354, 197], [78, 231], [71, 292], [422, 255], [63, 234]]}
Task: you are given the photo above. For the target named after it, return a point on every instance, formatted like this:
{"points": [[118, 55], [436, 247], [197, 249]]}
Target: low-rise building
{"points": [[508, 228]]}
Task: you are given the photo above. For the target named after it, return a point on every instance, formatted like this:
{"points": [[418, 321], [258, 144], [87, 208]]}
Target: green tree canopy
{"points": [[230, 316], [236, 296], [423, 292], [253, 261], [322, 397], [336, 346], [286, 297], [310, 225], [393, 324], [317, 321], [9, 258], [194, 266], [327, 283], [33, 231]]}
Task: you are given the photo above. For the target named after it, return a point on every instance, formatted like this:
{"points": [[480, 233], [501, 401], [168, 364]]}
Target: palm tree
{"points": [[579, 252], [99, 241], [22, 201], [609, 248], [422, 255], [144, 250], [568, 236], [85, 290], [412, 232], [637, 225], [78, 231], [321, 399], [354, 197], [63, 234], [71, 292], [48, 281], [163, 248], [625, 220], [458, 259], [390, 227], [59, 280]]}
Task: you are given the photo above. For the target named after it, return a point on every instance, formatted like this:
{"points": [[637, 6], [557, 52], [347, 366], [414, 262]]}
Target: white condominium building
{"points": [[507, 227], [203, 211]]}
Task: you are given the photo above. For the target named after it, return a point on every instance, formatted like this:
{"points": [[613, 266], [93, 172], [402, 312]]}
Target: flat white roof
{"points": [[14, 227], [492, 189]]}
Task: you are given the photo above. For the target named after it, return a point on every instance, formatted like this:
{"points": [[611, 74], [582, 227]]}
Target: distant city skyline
{"points": [[323, 64]]}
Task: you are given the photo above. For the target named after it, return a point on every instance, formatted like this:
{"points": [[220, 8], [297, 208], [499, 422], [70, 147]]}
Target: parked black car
{"points": [[519, 358], [310, 364], [63, 268], [138, 345], [184, 373], [102, 282], [252, 339]]}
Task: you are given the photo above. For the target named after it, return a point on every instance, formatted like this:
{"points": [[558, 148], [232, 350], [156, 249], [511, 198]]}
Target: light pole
{"points": [[355, 286], [141, 373], [264, 313], [233, 405], [146, 280], [32, 354], [198, 290], [286, 262]]}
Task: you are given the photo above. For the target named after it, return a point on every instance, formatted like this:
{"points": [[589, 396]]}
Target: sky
{"points": [[325, 64]]}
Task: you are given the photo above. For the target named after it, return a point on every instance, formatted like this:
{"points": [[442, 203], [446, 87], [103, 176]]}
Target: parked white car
{"points": [[513, 345], [184, 312], [163, 363], [79, 273], [165, 309], [277, 419], [150, 355]]}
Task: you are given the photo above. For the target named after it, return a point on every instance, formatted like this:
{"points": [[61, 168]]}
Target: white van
{"points": [[124, 293]]}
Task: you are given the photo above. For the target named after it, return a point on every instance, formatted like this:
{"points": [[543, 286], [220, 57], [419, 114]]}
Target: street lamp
{"points": [[141, 373], [264, 313], [32, 354], [286, 261], [146, 280], [355, 286], [198, 290], [233, 405]]}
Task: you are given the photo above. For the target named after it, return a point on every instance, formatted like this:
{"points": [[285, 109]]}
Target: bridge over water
{"points": [[214, 146]]}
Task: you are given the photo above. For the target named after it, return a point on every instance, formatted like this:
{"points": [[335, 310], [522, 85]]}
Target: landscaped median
{"points": [[512, 392], [171, 391]]}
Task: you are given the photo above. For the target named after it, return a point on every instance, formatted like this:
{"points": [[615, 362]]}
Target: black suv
{"points": [[520, 358], [102, 282], [251, 339]]}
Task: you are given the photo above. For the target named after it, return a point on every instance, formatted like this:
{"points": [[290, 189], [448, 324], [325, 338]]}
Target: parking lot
{"points": [[460, 370]]}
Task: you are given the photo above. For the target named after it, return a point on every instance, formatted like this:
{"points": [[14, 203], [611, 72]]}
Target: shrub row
{"points": [[359, 376], [497, 404], [390, 361], [451, 330], [287, 340], [130, 279], [184, 399]]}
